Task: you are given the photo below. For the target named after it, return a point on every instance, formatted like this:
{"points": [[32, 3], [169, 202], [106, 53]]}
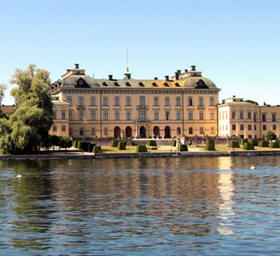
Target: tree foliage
{"points": [[270, 135], [27, 128]]}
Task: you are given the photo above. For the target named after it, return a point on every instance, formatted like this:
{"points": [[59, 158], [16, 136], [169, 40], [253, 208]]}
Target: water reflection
{"points": [[118, 206]]}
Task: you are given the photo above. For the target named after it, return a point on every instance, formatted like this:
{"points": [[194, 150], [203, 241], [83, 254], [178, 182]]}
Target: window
{"points": [[241, 127], [93, 132], [212, 130], [142, 115], [233, 115], [128, 115], [81, 116], [263, 117], [63, 115], [156, 102], [54, 115], [190, 130], [70, 115], [190, 115], [233, 127], [178, 101], [249, 127], [178, 130], [70, 132], [63, 128], [201, 115], [142, 100], [105, 115], [255, 117], [212, 101], [117, 115], [93, 115], [200, 100], [274, 127], [190, 101], [201, 131], [128, 101], [92, 101], [156, 115], [212, 115], [249, 115], [105, 101], [241, 115], [264, 127], [255, 127], [178, 115], [54, 128], [273, 117], [105, 131], [81, 100], [117, 100], [167, 114], [81, 131], [167, 101], [69, 99]]}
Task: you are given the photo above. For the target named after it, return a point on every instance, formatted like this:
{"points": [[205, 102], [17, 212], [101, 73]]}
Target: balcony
{"points": [[142, 107], [201, 107]]}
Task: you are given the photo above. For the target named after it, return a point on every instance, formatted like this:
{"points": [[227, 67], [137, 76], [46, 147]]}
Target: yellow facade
{"points": [[87, 108]]}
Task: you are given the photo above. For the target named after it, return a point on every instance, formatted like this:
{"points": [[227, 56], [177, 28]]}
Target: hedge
{"points": [[173, 143], [274, 144], [263, 143], [122, 145], [255, 142], [141, 148], [183, 147], [97, 149], [115, 143], [243, 141], [248, 146], [233, 144], [152, 143], [210, 144]]}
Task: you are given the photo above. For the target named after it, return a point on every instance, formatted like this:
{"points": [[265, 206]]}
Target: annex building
{"points": [[182, 105]]}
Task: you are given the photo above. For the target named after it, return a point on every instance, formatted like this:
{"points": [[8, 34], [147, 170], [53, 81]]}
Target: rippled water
{"points": [[194, 206]]}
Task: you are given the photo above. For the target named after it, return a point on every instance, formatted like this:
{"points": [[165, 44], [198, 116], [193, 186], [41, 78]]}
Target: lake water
{"points": [[175, 206]]}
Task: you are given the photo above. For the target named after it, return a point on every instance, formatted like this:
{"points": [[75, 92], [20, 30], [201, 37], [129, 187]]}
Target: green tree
{"points": [[27, 128], [270, 135], [65, 142]]}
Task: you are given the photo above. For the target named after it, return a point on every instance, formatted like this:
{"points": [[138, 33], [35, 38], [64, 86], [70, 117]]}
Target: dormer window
{"points": [[81, 83], [104, 84], [116, 84], [141, 84], [177, 84], [200, 84], [154, 84], [127, 84], [166, 84]]}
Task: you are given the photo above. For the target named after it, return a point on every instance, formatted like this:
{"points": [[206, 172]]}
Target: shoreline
{"points": [[79, 155]]}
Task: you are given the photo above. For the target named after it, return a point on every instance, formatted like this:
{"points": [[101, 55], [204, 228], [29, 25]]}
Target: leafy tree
{"points": [[270, 135], [65, 142], [27, 128]]}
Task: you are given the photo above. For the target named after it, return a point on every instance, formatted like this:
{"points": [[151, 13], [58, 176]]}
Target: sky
{"points": [[234, 43]]}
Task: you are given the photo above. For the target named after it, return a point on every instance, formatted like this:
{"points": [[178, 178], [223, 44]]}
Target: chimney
{"points": [[110, 77], [179, 71], [193, 67], [155, 78], [128, 75], [167, 78], [77, 66], [177, 75], [186, 70]]}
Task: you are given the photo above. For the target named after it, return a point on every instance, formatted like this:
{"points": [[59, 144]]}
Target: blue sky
{"points": [[235, 43]]}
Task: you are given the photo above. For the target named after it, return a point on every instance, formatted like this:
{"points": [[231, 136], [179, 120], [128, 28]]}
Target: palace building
{"points": [[245, 118], [87, 108]]}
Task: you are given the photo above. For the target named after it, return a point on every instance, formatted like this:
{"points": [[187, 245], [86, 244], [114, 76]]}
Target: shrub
{"points": [[274, 144], [248, 146], [90, 147], [141, 148], [83, 145], [255, 142], [115, 143], [263, 143], [122, 145], [152, 143], [76, 143], [183, 147], [243, 141], [210, 144], [173, 143], [65, 142], [233, 144], [97, 149]]}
